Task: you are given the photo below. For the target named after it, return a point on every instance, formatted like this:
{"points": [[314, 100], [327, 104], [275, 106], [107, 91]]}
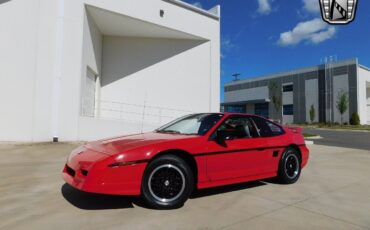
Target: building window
{"points": [[89, 94], [288, 88], [236, 108], [288, 109], [262, 109]]}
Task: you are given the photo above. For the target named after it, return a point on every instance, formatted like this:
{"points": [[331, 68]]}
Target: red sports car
{"points": [[195, 151]]}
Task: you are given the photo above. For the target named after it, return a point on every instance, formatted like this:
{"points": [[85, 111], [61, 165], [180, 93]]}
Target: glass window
{"points": [[238, 127], [197, 124], [288, 88], [236, 108], [262, 109], [267, 128], [288, 109]]}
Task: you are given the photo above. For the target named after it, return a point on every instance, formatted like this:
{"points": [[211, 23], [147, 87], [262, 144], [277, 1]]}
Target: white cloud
{"points": [[323, 35], [226, 46], [197, 4], [264, 6], [314, 31], [311, 6]]}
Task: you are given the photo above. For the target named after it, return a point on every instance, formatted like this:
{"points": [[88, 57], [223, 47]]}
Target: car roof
{"points": [[229, 113]]}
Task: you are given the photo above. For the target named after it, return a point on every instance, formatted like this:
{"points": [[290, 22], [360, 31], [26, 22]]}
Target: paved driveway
{"points": [[347, 139], [333, 193]]}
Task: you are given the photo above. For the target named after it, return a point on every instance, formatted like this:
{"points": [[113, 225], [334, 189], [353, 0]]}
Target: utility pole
{"points": [[236, 76]]}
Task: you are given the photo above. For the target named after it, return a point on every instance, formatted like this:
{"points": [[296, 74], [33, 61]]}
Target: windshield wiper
{"points": [[169, 131]]}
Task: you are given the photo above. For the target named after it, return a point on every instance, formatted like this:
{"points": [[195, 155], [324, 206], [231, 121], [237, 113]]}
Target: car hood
{"points": [[125, 143]]}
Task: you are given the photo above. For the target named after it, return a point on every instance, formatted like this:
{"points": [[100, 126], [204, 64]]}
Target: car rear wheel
{"points": [[289, 166], [168, 182]]}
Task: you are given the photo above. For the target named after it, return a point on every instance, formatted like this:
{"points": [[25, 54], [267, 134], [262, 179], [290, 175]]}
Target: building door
{"points": [[89, 92]]}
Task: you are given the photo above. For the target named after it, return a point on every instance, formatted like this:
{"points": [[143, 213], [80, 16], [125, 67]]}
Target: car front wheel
{"points": [[289, 166], [168, 182]]}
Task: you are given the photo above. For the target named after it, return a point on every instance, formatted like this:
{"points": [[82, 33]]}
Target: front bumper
{"points": [[89, 172]]}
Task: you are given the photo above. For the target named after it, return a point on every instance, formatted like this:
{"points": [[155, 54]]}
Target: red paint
{"points": [[240, 160]]}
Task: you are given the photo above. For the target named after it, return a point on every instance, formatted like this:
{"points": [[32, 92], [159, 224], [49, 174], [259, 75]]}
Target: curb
{"points": [[309, 142], [313, 138], [342, 130]]}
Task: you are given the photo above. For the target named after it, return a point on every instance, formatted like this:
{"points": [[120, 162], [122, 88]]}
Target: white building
{"points": [[87, 69]]}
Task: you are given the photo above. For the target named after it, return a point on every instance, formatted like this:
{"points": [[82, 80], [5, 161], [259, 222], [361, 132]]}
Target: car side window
{"points": [[238, 127], [267, 128]]}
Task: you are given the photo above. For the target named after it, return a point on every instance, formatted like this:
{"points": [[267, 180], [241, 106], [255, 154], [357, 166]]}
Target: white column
{"points": [[58, 70]]}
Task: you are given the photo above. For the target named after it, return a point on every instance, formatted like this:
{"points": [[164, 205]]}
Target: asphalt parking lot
{"points": [[346, 138], [333, 193]]}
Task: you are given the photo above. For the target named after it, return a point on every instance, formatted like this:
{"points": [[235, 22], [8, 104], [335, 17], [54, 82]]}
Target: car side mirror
{"points": [[220, 137]]}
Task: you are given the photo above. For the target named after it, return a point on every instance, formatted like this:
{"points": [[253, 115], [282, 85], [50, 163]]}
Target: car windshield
{"points": [[197, 124]]}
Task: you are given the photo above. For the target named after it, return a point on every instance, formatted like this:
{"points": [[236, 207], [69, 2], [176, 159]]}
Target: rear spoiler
{"points": [[295, 129]]}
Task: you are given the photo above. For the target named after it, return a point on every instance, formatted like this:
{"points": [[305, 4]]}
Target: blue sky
{"points": [[261, 37]]}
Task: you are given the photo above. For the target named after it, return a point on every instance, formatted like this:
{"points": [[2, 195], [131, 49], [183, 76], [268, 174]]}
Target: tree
{"points": [[312, 113], [275, 96], [342, 104], [355, 119]]}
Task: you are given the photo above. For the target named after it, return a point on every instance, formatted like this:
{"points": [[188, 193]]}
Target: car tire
{"points": [[167, 183], [289, 166]]}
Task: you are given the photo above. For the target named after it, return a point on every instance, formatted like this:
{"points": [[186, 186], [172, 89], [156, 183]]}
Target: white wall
{"points": [[363, 92], [287, 98], [92, 46], [312, 98], [168, 73], [33, 33], [258, 93], [368, 105], [26, 65], [91, 56], [340, 82]]}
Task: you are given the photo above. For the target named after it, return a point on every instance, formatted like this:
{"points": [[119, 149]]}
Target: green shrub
{"points": [[355, 119]]}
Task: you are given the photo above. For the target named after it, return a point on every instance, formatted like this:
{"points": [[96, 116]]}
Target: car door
{"points": [[273, 136], [240, 154]]}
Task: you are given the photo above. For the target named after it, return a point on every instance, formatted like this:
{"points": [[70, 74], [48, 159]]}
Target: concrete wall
{"points": [[340, 84], [368, 105], [91, 57], [364, 95], [27, 54], [167, 73], [258, 93], [250, 109], [312, 98], [46, 46], [287, 99]]}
